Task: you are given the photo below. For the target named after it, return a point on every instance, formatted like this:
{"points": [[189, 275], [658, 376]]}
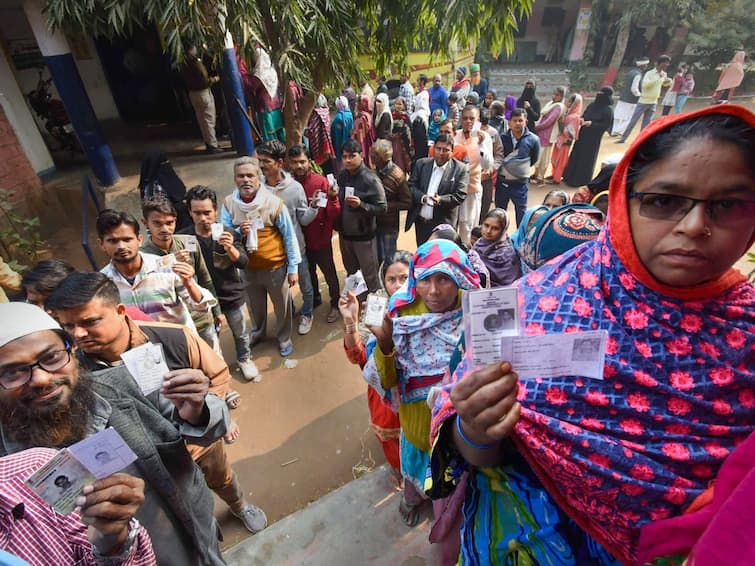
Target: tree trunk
{"points": [[295, 123], [679, 41], [622, 38]]}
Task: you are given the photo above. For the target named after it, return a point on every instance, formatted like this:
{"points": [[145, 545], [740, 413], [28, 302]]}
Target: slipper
{"points": [[231, 436], [233, 399], [409, 513]]}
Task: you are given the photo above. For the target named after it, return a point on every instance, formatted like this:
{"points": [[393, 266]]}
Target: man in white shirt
{"points": [[650, 91]]}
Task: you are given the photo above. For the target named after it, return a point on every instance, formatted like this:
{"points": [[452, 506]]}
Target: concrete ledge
{"points": [[358, 523]]}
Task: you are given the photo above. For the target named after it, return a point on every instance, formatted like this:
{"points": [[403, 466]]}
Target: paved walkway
{"points": [[356, 524]]}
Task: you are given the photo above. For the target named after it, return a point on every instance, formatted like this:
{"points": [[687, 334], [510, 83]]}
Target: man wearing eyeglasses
{"points": [[46, 401]]}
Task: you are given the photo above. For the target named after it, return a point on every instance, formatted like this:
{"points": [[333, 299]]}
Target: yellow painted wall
{"points": [[420, 63]]}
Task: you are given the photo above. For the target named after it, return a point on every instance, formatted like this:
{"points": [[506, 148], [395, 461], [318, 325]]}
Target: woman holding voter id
{"points": [[414, 344], [574, 470]]}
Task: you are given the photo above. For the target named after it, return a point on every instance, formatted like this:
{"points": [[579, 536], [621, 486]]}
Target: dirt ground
{"points": [[305, 430]]}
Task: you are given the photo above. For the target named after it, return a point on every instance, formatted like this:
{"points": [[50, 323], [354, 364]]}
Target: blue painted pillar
{"points": [[233, 90], [54, 47]]}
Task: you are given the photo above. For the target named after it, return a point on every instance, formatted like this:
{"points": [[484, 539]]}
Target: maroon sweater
{"points": [[319, 232]]}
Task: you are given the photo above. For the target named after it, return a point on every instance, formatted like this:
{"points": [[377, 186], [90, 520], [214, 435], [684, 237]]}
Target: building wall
{"points": [[16, 172], [20, 117], [539, 36], [15, 31]]}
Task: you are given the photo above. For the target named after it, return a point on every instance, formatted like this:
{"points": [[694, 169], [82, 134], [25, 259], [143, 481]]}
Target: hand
{"points": [[333, 191], [183, 270], [485, 400], [187, 389], [226, 240], [384, 334], [293, 279], [348, 306], [219, 321], [527, 105], [245, 227], [587, 124], [183, 255], [107, 506], [353, 202], [480, 137], [313, 201]]}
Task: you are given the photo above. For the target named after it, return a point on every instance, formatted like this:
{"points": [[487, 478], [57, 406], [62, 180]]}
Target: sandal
{"points": [[409, 513], [234, 432], [233, 399]]}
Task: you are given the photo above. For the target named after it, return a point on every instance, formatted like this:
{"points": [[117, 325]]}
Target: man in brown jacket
{"points": [[88, 307], [397, 195]]}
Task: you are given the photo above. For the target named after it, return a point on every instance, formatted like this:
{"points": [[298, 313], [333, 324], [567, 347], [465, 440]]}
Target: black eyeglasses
{"points": [[662, 206], [14, 378]]}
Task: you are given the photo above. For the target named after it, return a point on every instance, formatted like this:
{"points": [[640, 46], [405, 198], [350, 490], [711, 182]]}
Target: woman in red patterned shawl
{"points": [[363, 131], [568, 470]]}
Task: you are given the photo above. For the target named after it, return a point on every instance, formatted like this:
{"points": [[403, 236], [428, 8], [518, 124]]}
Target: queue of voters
{"points": [[647, 458]]}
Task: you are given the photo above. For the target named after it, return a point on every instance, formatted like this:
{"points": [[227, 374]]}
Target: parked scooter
{"points": [[53, 114]]}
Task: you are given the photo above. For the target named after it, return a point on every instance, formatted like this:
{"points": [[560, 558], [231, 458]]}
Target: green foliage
{"points": [[315, 42], [751, 259], [724, 27], [19, 236]]}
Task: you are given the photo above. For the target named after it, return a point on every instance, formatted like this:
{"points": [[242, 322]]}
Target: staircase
{"points": [[510, 79]]}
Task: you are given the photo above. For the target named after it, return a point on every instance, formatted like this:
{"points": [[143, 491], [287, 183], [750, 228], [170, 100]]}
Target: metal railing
{"points": [[88, 192]]}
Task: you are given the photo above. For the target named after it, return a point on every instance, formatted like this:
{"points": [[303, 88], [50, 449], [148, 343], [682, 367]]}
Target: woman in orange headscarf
{"points": [[566, 138], [731, 78]]}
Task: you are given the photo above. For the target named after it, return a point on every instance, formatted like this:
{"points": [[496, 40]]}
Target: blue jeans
{"points": [[515, 191], [386, 243], [305, 284], [681, 100], [237, 323], [646, 111]]}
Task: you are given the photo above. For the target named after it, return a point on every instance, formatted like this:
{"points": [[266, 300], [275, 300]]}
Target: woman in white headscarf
{"points": [[383, 119]]}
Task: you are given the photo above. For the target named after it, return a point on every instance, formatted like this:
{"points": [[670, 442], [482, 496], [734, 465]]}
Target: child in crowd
{"points": [[438, 118], [496, 249], [555, 198], [475, 235], [453, 108]]}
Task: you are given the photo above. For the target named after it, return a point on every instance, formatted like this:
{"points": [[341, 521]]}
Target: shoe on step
{"points": [[253, 517], [249, 371]]}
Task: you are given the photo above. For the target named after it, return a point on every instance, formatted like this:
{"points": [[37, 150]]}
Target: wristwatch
{"points": [[133, 532]]}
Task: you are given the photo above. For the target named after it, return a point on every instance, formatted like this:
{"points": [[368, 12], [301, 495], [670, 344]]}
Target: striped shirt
{"points": [[159, 292], [31, 530]]}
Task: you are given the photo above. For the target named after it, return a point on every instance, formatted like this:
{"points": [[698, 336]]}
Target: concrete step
{"points": [[358, 523], [510, 80]]}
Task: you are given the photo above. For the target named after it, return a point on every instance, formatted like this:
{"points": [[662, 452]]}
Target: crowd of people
{"points": [[651, 464]]}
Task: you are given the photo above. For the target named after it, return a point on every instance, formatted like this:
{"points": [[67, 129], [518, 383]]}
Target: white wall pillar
{"points": [[19, 115]]}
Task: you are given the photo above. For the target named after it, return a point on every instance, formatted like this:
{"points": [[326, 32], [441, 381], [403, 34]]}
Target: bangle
{"points": [[469, 442], [350, 328]]}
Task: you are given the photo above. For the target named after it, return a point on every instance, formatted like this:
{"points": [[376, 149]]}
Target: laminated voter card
{"points": [[374, 312], [216, 228], [553, 355], [190, 243], [355, 283], [147, 365], [489, 315], [61, 481]]}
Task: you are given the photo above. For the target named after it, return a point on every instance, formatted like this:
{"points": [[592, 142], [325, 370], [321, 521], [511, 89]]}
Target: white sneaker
{"points": [[250, 371], [253, 517], [305, 324]]}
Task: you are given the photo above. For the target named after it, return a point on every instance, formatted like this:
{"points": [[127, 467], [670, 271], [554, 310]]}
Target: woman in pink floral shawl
{"points": [[568, 470]]}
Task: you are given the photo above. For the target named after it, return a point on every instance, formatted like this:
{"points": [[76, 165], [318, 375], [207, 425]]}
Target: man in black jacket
{"points": [[225, 259], [362, 199], [438, 185]]}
